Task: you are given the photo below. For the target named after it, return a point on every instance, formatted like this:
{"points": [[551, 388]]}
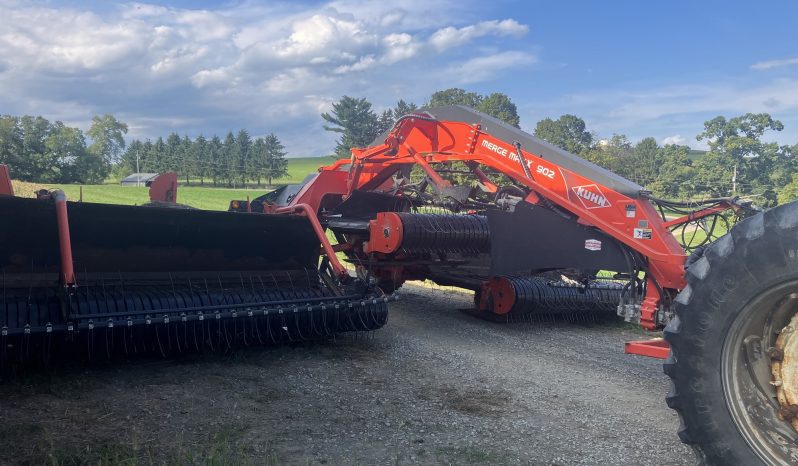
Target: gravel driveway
{"points": [[435, 386]]}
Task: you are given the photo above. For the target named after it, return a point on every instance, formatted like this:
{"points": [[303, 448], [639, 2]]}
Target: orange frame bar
{"points": [[656, 348]]}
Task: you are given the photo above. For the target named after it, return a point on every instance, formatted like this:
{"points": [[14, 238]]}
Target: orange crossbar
{"points": [[656, 348]]}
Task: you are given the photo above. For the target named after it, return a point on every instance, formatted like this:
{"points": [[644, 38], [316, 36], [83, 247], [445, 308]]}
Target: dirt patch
{"points": [[468, 400]]}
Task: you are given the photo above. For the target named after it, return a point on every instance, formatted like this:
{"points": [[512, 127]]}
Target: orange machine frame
{"points": [[425, 141]]}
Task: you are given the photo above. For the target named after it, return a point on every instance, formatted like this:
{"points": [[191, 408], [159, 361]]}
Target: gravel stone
{"points": [[435, 386]]}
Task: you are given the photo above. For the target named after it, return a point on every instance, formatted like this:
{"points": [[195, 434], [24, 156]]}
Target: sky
{"points": [[206, 67]]}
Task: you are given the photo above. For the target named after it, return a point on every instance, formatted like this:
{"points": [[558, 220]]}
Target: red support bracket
{"points": [[431, 173], [64, 242], [697, 215], [307, 211], [5, 182], [656, 348], [482, 177]]}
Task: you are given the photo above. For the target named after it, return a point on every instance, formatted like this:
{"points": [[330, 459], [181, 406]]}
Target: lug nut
{"points": [[788, 413], [776, 354]]}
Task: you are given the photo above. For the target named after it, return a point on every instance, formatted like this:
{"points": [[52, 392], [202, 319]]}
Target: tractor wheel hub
{"points": [[784, 368]]}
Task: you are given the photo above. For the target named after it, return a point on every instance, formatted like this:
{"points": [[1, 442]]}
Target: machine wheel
{"points": [[734, 373]]}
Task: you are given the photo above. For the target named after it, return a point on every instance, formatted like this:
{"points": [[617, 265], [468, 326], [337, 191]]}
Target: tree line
{"points": [[358, 124], [51, 152], [39, 150], [738, 161], [235, 160]]}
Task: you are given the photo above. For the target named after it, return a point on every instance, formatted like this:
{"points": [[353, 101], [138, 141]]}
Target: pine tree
{"points": [[244, 147], [216, 159], [201, 160], [275, 158], [229, 158], [258, 159], [172, 155], [158, 156], [187, 158], [145, 164], [356, 121]]}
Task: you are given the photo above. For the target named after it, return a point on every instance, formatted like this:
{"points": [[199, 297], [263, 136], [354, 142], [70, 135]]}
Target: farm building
{"points": [[138, 179]]}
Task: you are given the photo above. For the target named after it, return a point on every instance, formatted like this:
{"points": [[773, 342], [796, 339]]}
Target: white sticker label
{"points": [[593, 245], [642, 233]]}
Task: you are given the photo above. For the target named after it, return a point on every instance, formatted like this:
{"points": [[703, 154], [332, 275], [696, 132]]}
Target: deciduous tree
{"points": [[500, 106], [566, 132]]}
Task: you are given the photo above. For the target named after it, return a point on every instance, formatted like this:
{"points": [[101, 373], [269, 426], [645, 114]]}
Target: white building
{"points": [[138, 179]]}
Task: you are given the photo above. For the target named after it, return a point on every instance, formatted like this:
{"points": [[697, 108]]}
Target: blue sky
{"points": [[638, 68]]}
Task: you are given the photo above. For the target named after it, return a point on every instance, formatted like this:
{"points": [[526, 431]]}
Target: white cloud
{"points": [[675, 113], [766, 65], [323, 34], [676, 139], [204, 78], [449, 36], [487, 67], [780, 94], [399, 47], [267, 67]]}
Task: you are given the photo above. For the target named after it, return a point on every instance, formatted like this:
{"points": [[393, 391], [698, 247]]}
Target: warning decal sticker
{"points": [[593, 245]]}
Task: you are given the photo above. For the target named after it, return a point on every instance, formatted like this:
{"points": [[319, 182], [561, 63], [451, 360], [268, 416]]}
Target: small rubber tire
{"points": [[723, 285]]}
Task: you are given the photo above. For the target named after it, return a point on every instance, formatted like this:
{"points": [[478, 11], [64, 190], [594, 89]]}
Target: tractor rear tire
{"points": [[739, 295]]}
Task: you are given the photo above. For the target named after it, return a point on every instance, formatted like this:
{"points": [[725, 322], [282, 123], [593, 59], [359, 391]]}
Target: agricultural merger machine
{"points": [[450, 195]]}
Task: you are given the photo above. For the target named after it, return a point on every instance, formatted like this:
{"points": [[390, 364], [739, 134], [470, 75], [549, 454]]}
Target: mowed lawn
{"points": [[202, 197], [207, 198], [300, 167]]}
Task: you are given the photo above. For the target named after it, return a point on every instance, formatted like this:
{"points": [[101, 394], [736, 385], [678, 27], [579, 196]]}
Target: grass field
{"points": [[202, 197], [695, 154], [300, 167]]}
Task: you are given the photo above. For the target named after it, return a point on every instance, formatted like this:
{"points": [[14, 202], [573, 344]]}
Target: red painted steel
{"points": [[64, 241], [497, 296], [385, 233], [656, 348], [164, 188], [424, 142], [6, 189], [696, 215]]}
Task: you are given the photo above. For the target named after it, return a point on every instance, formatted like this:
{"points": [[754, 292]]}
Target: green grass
{"points": [[196, 196], [202, 197], [300, 167], [695, 154]]}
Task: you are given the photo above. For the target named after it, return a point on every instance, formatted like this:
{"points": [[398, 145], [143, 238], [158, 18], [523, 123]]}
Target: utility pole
{"points": [[734, 181], [138, 177]]}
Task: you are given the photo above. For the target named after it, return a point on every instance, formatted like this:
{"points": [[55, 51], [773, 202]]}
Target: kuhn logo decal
{"points": [[591, 196]]}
